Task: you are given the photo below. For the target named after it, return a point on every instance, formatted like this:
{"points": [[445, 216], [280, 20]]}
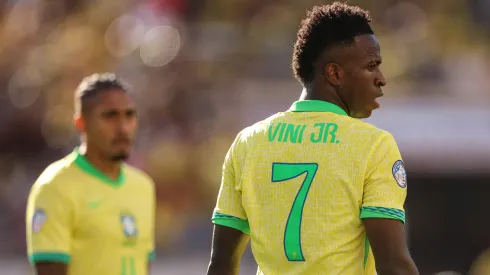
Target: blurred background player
{"points": [[90, 213], [313, 187]]}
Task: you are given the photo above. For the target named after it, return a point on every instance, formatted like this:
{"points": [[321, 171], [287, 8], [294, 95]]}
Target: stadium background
{"points": [[201, 70]]}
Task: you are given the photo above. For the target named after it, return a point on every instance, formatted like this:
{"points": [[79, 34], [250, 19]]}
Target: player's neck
{"points": [[111, 169], [314, 93]]}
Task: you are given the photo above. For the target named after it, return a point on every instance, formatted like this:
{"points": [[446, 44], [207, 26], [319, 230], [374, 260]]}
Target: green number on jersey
{"points": [[292, 232], [127, 266]]}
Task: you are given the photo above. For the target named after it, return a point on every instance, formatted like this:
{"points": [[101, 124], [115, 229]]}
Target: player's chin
{"points": [[364, 113], [121, 154], [368, 110]]}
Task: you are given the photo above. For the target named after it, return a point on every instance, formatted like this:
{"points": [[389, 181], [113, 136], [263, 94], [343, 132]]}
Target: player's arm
{"points": [[227, 250], [231, 229], [382, 210], [48, 225], [47, 268]]}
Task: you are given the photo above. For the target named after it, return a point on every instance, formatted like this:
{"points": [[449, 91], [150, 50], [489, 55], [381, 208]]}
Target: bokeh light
{"points": [[124, 35], [160, 45]]}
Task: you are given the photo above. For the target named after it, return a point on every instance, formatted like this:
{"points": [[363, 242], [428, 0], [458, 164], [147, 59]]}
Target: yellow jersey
{"points": [[98, 226], [301, 181]]}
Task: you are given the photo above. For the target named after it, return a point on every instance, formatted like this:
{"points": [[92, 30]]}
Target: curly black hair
{"points": [[95, 84], [325, 26]]}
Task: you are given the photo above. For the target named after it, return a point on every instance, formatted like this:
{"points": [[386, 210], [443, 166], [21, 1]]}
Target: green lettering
{"points": [[320, 133], [292, 132], [281, 134], [272, 135], [128, 268], [303, 127], [331, 129]]}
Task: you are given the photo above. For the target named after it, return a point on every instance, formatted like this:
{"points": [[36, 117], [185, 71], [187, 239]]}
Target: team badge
{"points": [[38, 220], [399, 173], [129, 227]]}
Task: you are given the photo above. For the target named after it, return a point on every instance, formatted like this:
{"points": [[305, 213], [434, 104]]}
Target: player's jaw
{"points": [[365, 108], [371, 103], [120, 148]]}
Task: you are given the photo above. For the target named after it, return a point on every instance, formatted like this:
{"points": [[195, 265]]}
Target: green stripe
{"points": [[383, 213], [123, 266], [56, 257], [366, 250], [231, 221], [132, 268], [152, 255]]}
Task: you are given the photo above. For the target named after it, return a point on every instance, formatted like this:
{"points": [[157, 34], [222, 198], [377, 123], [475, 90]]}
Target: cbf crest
{"points": [[129, 226], [399, 173]]}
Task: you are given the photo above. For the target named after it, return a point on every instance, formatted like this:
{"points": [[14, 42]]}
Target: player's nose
{"points": [[381, 80]]}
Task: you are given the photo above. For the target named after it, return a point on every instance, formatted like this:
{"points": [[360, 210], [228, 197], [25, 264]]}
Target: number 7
{"points": [[292, 232]]}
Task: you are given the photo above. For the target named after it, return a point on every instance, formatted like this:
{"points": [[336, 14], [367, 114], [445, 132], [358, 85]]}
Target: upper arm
{"points": [[231, 230], [383, 215], [229, 210], [387, 240], [48, 225], [49, 268], [227, 250]]}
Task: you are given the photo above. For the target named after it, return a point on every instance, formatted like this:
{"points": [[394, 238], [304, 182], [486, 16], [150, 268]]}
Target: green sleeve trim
{"points": [[230, 221], [151, 256], [57, 257], [382, 213]]}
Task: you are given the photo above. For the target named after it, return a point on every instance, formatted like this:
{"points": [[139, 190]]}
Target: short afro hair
{"points": [[93, 85], [323, 27]]}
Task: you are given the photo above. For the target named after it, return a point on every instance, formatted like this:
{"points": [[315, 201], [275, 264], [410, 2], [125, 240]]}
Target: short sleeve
{"points": [[48, 224], [229, 210], [385, 186]]}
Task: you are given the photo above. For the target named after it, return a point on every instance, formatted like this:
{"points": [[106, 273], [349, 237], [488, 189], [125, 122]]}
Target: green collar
{"points": [[86, 166], [316, 106]]}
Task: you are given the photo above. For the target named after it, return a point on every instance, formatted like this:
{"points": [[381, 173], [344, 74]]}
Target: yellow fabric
{"points": [[349, 167], [97, 228]]}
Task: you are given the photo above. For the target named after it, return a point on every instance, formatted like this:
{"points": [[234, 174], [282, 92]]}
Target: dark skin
{"points": [[348, 76], [228, 247], [108, 126]]}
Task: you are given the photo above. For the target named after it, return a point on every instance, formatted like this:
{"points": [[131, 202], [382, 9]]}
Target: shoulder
{"points": [[56, 178], [139, 176], [257, 129], [371, 134]]}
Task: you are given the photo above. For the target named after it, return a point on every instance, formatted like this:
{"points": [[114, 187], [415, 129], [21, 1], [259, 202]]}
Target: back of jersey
{"points": [[300, 178]]}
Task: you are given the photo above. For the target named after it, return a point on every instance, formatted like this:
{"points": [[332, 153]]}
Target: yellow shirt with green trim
{"points": [[98, 226], [300, 183]]}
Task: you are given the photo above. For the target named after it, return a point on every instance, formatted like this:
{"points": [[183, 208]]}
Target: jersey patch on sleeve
{"points": [[399, 173], [38, 220]]}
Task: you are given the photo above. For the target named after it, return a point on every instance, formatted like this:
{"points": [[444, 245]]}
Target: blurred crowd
{"points": [[198, 70]]}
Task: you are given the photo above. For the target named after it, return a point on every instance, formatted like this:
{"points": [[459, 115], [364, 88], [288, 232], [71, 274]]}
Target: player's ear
{"points": [[333, 73], [79, 123]]}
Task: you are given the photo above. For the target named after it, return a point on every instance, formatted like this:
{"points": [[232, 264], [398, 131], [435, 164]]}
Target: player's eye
{"points": [[109, 114], [372, 66], [130, 113]]}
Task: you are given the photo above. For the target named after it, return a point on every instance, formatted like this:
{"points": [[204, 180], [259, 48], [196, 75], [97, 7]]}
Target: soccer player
{"points": [[315, 189], [90, 213]]}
